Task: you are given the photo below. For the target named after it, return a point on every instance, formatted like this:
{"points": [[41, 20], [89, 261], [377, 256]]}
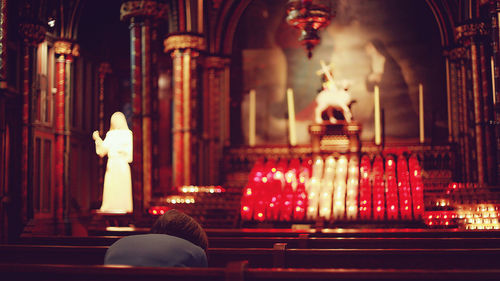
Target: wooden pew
{"points": [[49, 254], [337, 232], [350, 233], [304, 241], [68, 240], [280, 256], [233, 272]]}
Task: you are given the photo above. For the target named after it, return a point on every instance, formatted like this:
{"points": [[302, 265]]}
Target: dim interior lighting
{"points": [[201, 189]]}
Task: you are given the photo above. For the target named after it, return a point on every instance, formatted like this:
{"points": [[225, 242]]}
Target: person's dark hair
{"points": [[180, 225]]}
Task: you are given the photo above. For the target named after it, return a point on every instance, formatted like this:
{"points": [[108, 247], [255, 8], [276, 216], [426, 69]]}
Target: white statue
{"points": [[333, 100], [117, 193]]}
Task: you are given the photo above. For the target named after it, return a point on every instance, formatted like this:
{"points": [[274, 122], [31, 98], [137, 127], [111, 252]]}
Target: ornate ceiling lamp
{"points": [[309, 16]]}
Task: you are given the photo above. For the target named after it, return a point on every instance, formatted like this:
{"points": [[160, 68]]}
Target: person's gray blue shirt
{"points": [[155, 250]]}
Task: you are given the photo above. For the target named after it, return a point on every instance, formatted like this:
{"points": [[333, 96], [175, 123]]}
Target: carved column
{"points": [[215, 108], [495, 79], [104, 70], [141, 15], [459, 113], [64, 50], [478, 109], [3, 44], [185, 50], [32, 35]]}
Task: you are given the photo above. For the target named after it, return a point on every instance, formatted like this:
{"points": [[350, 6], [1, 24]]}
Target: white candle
{"points": [[291, 117], [378, 127], [421, 112], [251, 119], [493, 81]]}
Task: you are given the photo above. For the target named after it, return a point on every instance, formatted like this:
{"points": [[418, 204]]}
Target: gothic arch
{"points": [[231, 11]]}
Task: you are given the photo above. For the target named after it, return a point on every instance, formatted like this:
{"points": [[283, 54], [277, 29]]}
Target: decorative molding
{"points": [[144, 8], [216, 62], [184, 41], [3, 44], [456, 53], [75, 51], [470, 30], [32, 33], [104, 68]]}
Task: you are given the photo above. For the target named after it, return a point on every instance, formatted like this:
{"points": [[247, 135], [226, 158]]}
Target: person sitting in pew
{"points": [[176, 240]]}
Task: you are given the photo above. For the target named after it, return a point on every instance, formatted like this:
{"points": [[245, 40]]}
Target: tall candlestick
{"points": [[251, 119], [378, 127], [291, 117], [421, 112], [493, 90]]}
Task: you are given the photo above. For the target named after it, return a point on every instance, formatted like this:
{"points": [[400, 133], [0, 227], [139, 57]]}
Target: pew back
{"points": [[303, 241], [280, 256], [233, 272]]}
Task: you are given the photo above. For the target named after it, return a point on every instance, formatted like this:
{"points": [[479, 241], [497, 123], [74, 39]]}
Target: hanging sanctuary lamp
{"points": [[309, 16]]}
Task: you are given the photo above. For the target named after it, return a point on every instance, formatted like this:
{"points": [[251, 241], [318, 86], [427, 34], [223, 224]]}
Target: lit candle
{"points": [[421, 111], [291, 117], [378, 127], [251, 119]]}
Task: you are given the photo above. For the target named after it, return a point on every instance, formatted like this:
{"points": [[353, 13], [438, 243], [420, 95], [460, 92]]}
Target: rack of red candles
{"points": [[380, 189]]}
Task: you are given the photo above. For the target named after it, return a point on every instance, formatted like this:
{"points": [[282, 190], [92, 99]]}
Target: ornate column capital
{"points": [[455, 54], [184, 41], [464, 33], [64, 47], [143, 9], [32, 33], [104, 68]]}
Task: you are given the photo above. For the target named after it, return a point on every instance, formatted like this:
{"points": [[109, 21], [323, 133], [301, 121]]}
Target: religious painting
{"points": [[392, 44]]}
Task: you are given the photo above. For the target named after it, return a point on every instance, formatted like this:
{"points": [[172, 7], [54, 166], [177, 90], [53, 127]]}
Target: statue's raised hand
{"points": [[96, 135]]}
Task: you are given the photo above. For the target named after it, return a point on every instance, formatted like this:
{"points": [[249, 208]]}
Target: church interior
{"points": [[316, 139]]}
